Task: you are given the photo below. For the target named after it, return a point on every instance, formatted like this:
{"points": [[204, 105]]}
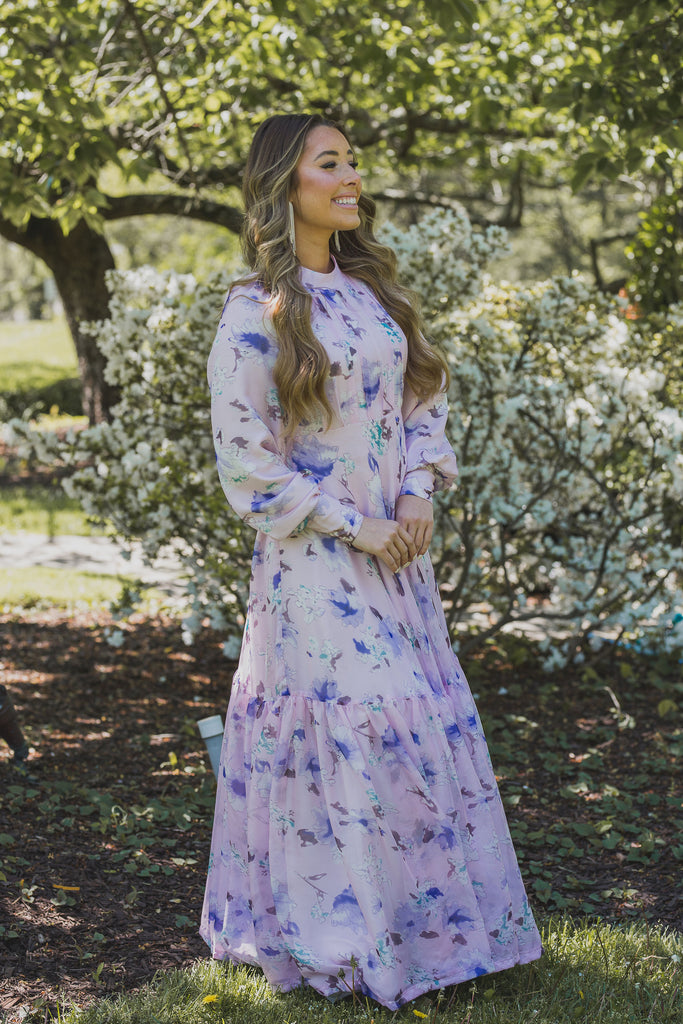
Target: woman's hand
{"points": [[387, 540], [416, 516]]}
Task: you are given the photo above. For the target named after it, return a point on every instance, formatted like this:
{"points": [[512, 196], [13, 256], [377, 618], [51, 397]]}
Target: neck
{"points": [[314, 253]]}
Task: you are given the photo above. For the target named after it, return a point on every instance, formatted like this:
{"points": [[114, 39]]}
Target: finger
{"points": [[408, 540], [427, 539], [420, 538], [401, 552]]}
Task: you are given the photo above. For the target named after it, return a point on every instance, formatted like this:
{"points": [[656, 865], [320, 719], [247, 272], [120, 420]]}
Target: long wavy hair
{"points": [[302, 365]]}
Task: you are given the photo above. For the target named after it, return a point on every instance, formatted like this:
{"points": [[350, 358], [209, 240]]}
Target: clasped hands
{"points": [[396, 542]]}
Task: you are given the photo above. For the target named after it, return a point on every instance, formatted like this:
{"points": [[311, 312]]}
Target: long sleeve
{"points": [[261, 487], [431, 462]]}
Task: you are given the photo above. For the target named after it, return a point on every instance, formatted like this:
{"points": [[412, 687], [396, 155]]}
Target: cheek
{"points": [[314, 185]]}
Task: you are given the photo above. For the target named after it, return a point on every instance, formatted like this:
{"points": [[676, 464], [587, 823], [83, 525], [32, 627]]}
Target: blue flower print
{"points": [[290, 928], [314, 458], [254, 340], [326, 689], [259, 501], [319, 830], [312, 767], [334, 553], [371, 380], [409, 921], [346, 912], [458, 918], [345, 605], [347, 746], [388, 633], [238, 788]]}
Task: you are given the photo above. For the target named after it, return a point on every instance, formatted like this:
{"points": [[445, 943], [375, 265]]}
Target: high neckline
{"points": [[316, 279]]}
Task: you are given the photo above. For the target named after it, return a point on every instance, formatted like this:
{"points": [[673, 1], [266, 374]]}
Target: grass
{"points": [[35, 353], [38, 368], [590, 971], [42, 508], [46, 509], [40, 587]]}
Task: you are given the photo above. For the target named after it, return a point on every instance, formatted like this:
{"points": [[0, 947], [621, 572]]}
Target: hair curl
{"points": [[302, 365]]}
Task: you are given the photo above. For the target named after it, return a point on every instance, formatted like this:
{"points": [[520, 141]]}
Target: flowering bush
{"points": [[564, 416]]}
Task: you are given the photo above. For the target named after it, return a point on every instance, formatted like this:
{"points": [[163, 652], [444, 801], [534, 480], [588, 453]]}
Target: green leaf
{"points": [[582, 170], [664, 708]]}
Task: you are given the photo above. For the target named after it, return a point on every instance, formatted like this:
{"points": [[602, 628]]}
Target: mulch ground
{"points": [[104, 872], [108, 719]]}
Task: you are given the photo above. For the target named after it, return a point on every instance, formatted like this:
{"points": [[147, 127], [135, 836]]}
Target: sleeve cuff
{"points": [[334, 518], [419, 482]]}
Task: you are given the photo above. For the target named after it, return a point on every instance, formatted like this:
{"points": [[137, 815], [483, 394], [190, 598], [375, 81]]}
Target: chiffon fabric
{"points": [[359, 836]]}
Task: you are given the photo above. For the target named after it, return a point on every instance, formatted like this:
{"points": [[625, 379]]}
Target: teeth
{"points": [[346, 202]]}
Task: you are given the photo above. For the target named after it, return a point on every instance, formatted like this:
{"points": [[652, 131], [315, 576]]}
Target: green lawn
{"points": [[35, 353], [38, 367], [40, 587], [42, 508], [589, 972]]}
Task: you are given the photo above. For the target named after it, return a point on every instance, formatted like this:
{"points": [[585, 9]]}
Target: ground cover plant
{"points": [[104, 847]]}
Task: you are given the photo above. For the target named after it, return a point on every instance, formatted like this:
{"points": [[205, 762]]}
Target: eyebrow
{"points": [[332, 152]]}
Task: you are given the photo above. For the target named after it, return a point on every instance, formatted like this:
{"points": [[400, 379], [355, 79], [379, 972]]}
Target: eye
{"points": [[331, 164]]}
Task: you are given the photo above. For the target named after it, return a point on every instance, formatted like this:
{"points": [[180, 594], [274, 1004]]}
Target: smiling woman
{"points": [[359, 836], [324, 197]]}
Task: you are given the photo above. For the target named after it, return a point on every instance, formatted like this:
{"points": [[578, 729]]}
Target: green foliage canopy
{"points": [[459, 98], [163, 87]]}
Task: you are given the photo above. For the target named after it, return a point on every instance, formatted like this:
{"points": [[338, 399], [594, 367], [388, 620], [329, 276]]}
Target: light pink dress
{"points": [[359, 831]]}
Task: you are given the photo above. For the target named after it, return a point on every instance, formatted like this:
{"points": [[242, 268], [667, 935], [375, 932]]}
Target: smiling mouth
{"points": [[346, 201]]}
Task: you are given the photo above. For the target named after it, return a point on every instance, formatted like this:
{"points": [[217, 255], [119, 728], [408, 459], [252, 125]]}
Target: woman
{"points": [[359, 836]]}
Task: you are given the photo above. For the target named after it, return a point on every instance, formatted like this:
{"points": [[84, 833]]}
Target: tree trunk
{"points": [[79, 262]]}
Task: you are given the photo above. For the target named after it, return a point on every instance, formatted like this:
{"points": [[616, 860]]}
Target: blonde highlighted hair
{"points": [[302, 365]]}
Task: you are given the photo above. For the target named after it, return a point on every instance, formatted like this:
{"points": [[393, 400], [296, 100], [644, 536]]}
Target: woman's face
{"points": [[326, 186]]}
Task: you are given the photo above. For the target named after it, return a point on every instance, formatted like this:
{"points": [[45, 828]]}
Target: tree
{"points": [[168, 93]]}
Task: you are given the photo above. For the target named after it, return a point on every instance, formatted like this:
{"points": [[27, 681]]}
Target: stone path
{"points": [[85, 554]]}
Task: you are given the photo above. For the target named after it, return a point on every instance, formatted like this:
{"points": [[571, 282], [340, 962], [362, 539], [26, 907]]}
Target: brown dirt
{"points": [[92, 904]]}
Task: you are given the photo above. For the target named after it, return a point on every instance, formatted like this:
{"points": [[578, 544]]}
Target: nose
{"points": [[352, 176]]}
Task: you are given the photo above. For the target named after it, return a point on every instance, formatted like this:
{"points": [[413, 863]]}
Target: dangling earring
{"points": [[292, 233], [336, 241]]}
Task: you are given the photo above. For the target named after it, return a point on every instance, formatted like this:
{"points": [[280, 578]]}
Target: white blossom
{"points": [[565, 417]]}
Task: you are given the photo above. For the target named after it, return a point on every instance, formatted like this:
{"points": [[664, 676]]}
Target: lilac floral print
{"points": [[357, 814]]}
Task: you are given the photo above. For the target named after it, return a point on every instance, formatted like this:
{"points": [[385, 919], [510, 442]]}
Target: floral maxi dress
{"points": [[359, 832]]}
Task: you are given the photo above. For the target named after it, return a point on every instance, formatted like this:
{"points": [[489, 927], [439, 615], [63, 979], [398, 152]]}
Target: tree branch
{"points": [[32, 237], [594, 244], [407, 198], [147, 204], [397, 195], [170, 109], [453, 126]]}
